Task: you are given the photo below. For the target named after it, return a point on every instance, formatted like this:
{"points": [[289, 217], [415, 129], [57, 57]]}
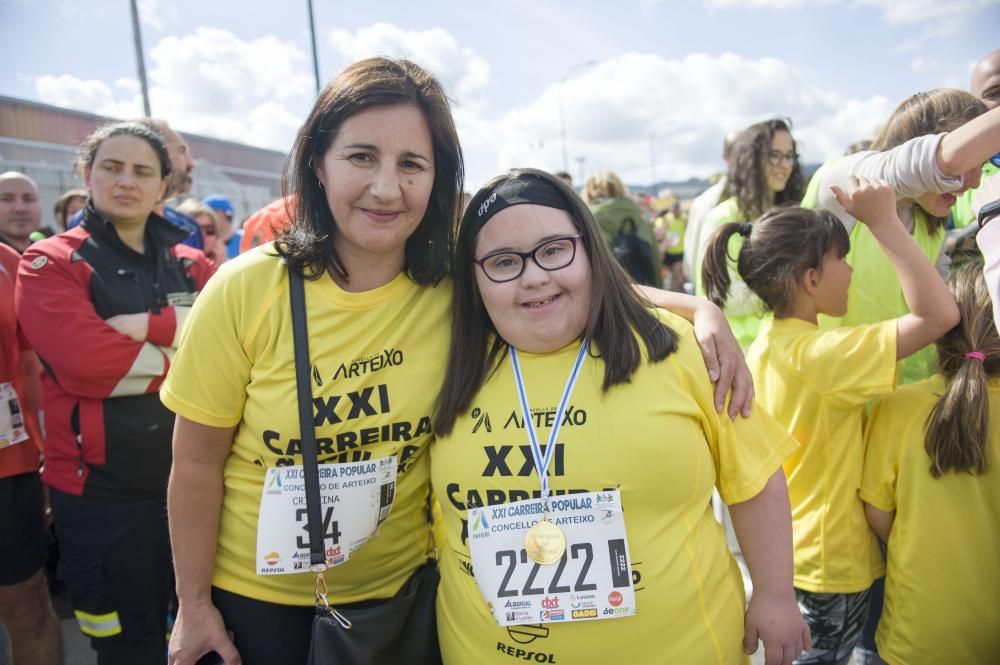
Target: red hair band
{"points": [[976, 355]]}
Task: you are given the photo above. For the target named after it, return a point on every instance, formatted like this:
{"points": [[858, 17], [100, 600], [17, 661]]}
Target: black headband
{"points": [[524, 188]]}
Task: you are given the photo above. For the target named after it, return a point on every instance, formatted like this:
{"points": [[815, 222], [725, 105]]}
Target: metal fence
{"points": [[51, 166]]}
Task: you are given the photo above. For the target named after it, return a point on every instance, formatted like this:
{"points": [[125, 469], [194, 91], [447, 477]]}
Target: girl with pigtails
{"points": [[816, 383], [931, 492]]}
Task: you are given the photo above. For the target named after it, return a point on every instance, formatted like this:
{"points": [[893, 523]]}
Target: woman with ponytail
{"points": [[816, 383], [931, 492]]}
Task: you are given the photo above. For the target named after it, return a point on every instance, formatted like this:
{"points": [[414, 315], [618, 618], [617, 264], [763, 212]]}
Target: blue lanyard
{"points": [[542, 460]]}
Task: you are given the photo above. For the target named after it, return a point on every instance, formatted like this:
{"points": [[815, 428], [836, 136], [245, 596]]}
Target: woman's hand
{"points": [[726, 365], [199, 630], [135, 326], [872, 202], [777, 621]]}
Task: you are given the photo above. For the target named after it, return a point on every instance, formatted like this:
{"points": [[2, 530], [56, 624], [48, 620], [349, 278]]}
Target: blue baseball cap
{"points": [[220, 203]]}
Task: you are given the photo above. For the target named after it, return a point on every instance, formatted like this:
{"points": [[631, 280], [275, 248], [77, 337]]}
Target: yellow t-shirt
{"points": [[942, 588], [377, 362], [816, 383], [658, 439]]}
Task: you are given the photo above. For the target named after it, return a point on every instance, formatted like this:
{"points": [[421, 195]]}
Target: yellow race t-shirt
{"points": [[377, 361], [942, 587], [816, 383], [660, 441]]}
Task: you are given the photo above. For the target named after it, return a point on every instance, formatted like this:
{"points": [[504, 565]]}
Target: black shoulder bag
{"points": [[398, 630]]}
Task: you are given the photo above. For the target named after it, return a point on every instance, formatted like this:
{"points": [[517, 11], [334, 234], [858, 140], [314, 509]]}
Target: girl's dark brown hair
{"points": [[617, 315], [958, 426], [933, 112], [308, 244], [746, 177], [776, 252]]}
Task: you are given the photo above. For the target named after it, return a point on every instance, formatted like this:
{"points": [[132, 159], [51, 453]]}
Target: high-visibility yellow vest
{"points": [[811, 197]]}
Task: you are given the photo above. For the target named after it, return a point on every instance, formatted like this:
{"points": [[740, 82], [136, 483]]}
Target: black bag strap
{"points": [[310, 463]]}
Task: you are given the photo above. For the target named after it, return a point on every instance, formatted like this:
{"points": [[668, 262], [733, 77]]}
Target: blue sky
{"points": [[648, 87]]}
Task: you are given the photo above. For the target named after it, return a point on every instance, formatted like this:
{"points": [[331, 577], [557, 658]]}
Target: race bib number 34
{"points": [[356, 499], [592, 579]]}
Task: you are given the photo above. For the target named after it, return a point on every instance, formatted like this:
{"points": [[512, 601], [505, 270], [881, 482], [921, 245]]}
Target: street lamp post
{"points": [[312, 38], [140, 61], [562, 109]]}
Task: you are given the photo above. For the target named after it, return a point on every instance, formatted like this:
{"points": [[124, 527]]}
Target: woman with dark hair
{"points": [[536, 540], [374, 170], [103, 305], [763, 172], [931, 491], [930, 150]]}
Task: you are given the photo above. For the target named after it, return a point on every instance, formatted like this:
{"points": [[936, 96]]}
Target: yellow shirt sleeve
{"points": [[746, 451], [878, 480], [852, 365], [209, 374]]}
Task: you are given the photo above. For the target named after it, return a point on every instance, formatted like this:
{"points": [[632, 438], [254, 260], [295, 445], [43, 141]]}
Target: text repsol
{"points": [[524, 654]]}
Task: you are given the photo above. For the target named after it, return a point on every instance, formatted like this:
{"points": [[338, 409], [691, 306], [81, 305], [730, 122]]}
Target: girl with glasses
{"points": [[578, 528], [763, 172]]}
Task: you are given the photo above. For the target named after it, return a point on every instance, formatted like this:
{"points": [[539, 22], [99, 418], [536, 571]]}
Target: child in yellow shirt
{"points": [[931, 492], [817, 382]]}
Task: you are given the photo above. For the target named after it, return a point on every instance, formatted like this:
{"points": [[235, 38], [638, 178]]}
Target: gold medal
{"points": [[545, 542]]}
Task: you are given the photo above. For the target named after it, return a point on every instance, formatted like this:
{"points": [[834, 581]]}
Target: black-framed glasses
{"points": [[508, 265], [776, 157]]}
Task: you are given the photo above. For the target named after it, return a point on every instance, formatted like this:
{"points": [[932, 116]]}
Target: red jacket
{"points": [[262, 226], [21, 457], [107, 434]]}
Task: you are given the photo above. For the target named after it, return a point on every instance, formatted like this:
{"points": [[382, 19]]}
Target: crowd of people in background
{"points": [[139, 373]]}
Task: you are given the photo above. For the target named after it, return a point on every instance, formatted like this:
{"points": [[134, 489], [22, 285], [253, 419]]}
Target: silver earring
{"points": [[321, 185]]}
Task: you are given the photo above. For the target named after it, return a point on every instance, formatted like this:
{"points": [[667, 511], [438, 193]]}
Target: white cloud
{"points": [[923, 65], [769, 4], [614, 114], [905, 12], [894, 12], [149, 13], [258, 91], [463, 74], [87, 95], [209, 82]]}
